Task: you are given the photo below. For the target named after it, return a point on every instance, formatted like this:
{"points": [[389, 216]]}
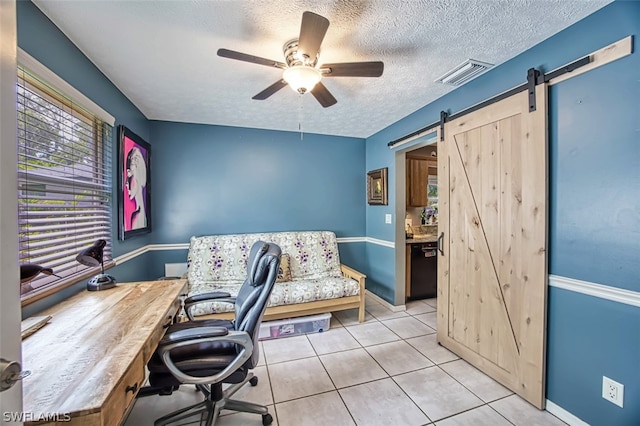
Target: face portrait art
{"points": [[135, 181]]}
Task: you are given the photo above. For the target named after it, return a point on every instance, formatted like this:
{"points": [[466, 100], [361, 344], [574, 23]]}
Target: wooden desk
{"points": [[89, 362]]}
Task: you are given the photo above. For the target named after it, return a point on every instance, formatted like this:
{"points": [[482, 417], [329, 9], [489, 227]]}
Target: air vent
{"points": [[464, 72]]}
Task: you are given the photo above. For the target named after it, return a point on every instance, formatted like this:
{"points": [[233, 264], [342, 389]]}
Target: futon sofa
{"points": [[311, 279]]}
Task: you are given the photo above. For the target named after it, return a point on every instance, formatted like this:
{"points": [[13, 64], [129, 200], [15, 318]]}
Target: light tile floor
{"points": [[387, 371]]}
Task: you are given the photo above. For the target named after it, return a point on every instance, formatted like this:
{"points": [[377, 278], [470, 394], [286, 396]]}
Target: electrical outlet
{"points": [[612, 391], [387, 218]]}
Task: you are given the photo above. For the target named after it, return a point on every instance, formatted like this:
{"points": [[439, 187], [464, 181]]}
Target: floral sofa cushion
{"points": [[284, 271], [218, 263], [284, 293]]}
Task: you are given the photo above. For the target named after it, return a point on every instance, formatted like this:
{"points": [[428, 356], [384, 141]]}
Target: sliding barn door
{"points": [[492, 268]]}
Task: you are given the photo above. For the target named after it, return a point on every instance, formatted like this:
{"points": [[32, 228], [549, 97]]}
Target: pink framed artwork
{"points": [[134, 189]]}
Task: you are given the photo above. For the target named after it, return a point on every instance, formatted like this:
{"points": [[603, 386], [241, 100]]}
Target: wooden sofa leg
{"points": [[361, 309]]}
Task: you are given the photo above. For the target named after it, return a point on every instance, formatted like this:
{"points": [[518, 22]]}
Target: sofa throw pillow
{"points": [[284, 271]]}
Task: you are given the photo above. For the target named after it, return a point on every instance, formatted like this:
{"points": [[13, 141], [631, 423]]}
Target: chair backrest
{"points": [[251, 302]]}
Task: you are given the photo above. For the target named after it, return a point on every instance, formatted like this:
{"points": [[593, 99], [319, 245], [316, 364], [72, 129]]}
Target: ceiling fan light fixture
{"points": [[301, 71], [302, 78]]}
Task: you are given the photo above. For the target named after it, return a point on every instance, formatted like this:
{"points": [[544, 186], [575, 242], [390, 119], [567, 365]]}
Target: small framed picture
{"points": [[377, 187], [134, 184]]}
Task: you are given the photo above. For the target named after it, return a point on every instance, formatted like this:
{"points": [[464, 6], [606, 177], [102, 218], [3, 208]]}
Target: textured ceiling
{"points": [[162, 54]]}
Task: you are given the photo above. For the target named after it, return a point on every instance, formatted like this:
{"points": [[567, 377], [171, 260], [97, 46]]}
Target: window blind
{"points": [[64, 180]]}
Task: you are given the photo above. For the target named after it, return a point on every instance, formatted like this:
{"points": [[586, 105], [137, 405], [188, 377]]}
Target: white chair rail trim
{"points": [[119, 260], [601, 291], [371, 240], [383, 243]]}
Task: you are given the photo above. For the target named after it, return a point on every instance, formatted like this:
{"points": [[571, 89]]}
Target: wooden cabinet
{"points": [[418, 172]]}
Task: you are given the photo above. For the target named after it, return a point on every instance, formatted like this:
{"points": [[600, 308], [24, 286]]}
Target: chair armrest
{"points": [[193, 333], [204, 335], [203, 297], [218, 296]]}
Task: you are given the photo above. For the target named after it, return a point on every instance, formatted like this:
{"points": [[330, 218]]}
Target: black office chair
{"points": [[208, 353]]}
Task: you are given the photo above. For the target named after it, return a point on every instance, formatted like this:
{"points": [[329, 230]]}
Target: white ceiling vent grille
{"points": [[464, 72]]}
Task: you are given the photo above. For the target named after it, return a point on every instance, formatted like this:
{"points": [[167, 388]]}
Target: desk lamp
{"points": [[29, 271], [92, 256]]}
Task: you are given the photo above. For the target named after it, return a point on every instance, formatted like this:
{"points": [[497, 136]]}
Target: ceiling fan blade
{"points": [[232, 54], [270, 90], [353, 69], [322, 94], [312, 31]]}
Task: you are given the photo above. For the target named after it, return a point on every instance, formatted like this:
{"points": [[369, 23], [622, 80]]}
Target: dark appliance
{"points": [[424, 270]]}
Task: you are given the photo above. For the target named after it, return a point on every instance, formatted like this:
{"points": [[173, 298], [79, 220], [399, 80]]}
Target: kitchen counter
{"points": [[422, 238]]}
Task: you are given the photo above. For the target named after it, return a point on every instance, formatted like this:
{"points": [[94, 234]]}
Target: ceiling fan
{"points": [[301, 72]]}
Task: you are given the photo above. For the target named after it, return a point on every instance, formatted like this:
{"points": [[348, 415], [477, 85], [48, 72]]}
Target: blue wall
{"points": [[589, 338], [594, 207], [595, 174], [40, 38], [209, 179], [225, 180], [595, 225], [212, 179]]}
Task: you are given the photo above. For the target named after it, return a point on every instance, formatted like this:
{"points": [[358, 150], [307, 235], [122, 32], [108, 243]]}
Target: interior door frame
{"points": [[401, 210], [10, 310]]}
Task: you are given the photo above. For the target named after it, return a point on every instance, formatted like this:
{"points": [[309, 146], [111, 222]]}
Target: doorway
{"points": [[421, 222], [414, 163]]}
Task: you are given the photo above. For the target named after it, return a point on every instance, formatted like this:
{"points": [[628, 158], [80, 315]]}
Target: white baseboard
{"points": [[564, 415], [393, 308]]}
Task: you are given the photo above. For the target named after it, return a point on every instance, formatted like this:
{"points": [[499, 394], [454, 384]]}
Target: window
{"points": [[64, 178], [33, 190]]}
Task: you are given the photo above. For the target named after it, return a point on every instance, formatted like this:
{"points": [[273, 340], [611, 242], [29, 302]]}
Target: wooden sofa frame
{"points": [[316, 307]]}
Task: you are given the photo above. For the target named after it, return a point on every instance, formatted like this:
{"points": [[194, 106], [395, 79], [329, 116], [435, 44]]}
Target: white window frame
{"points": [[50, 285]]}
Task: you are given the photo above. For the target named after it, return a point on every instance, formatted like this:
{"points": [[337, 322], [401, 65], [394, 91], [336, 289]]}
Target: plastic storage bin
{"points": [[294, 326]]}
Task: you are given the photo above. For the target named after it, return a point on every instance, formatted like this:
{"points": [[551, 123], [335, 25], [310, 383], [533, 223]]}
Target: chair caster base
{"points": [[254, 381], [150, 390], [267, 419]]}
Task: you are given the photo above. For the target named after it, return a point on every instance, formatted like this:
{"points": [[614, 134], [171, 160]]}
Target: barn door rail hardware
{"points": [[443, 119], [534, 78], [532, 81]]}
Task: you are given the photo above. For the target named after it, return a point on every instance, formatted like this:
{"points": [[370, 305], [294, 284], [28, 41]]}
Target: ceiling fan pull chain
{"points": [[300, 115]]}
